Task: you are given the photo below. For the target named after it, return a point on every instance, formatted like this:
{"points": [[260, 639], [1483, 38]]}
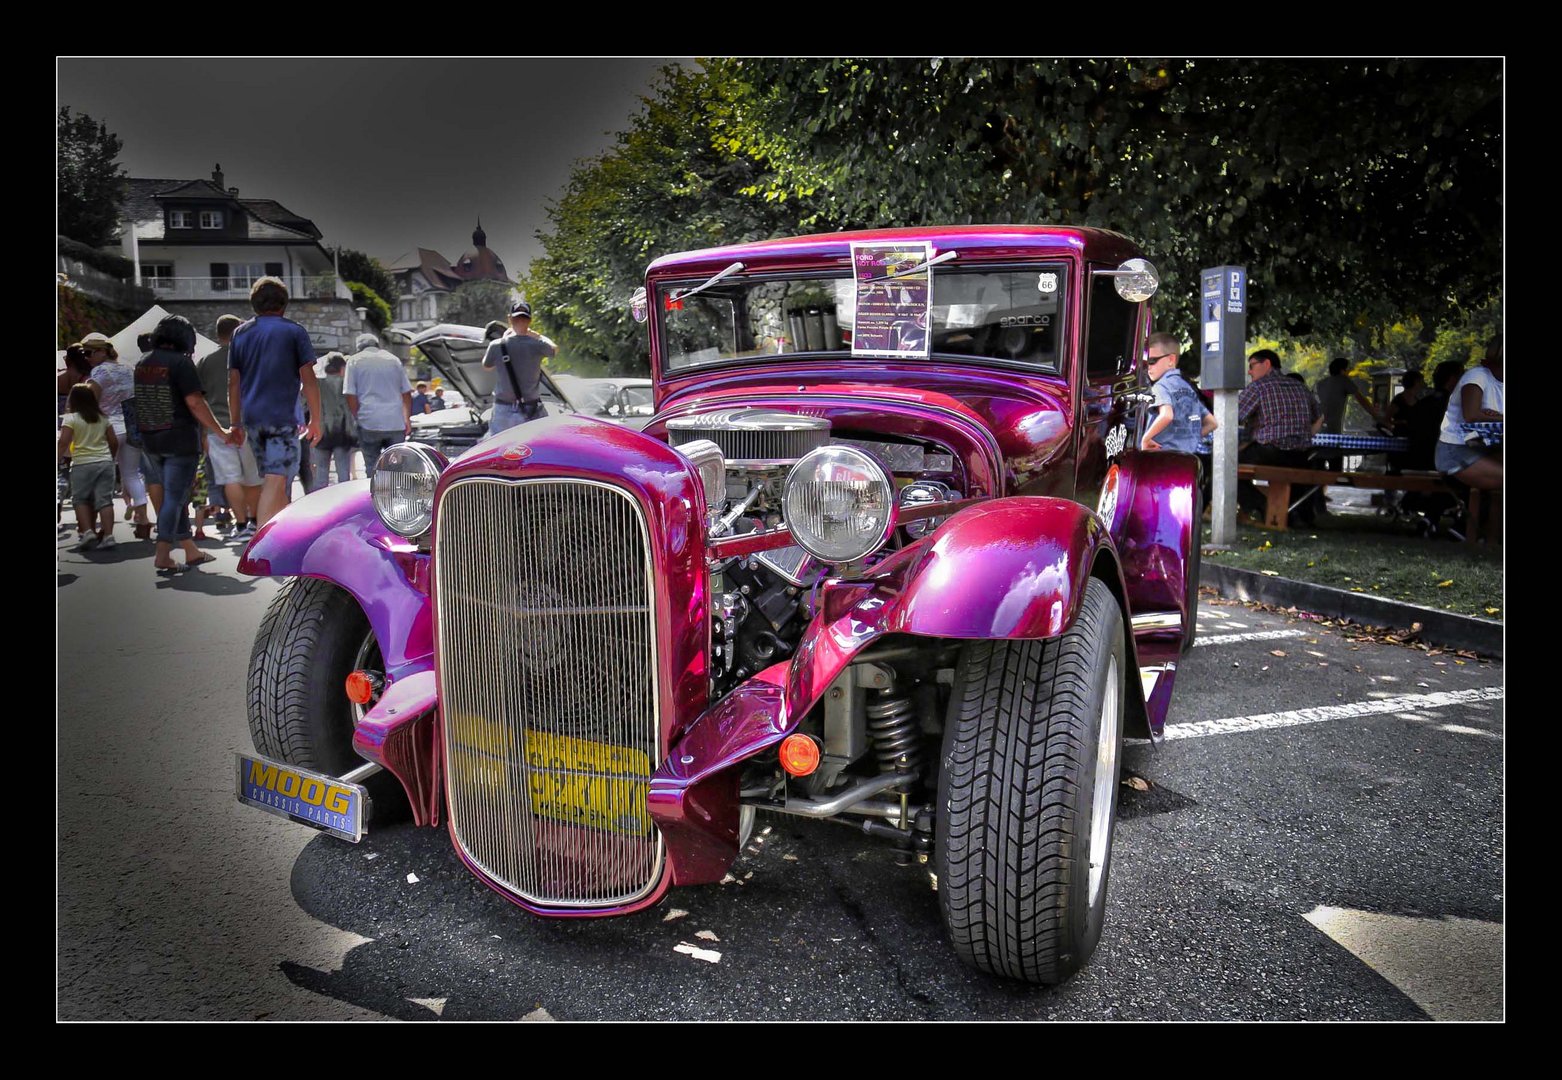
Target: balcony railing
{"points": [[314, 287]]}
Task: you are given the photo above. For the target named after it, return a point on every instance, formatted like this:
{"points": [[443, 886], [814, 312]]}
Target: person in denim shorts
{"points": [[270, 358]]}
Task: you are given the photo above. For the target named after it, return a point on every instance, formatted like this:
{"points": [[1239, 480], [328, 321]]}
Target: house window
{"points": [[211, 219], [179, 219], [157, 275]]}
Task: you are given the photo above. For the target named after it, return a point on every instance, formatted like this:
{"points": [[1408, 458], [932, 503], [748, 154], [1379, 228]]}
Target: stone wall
{"points": [[332, 324]]}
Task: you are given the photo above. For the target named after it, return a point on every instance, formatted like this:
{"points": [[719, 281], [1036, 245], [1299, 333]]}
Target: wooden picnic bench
{"points": [[1281, 479]]}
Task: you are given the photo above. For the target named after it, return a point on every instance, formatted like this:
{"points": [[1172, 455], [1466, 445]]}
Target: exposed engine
{"points": [[876, 725]]}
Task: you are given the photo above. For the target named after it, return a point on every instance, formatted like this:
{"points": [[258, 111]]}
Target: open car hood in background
{"points": [[457, 353]]}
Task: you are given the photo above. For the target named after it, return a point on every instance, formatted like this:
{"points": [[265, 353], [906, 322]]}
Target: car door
{"points": [[1108, 413]]}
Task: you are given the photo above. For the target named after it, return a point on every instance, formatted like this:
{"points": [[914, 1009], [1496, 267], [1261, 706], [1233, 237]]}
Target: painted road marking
{"points": [[1256, 635], [1263, 721], [1451, 968]]}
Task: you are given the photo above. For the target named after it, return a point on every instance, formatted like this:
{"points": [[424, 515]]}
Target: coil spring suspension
{"points": [[892, 725]]}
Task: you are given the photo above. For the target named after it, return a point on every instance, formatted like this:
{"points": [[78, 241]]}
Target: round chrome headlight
{"points": [[840, 503], [403, 487]]}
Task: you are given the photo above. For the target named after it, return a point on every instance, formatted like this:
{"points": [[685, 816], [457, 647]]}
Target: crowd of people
{"points": [[228, 434], [1280, 415]]}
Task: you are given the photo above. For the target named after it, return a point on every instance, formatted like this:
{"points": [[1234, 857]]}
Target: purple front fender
{"points": [[336, 535], [1008, 569]]}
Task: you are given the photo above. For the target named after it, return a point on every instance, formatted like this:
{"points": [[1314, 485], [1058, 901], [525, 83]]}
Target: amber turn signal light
{"points": [[799, 754], [360, 688]]}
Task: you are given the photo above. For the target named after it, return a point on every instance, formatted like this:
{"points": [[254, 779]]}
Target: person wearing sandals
{"points": [[171, 410], [89, 439], [114, 383]]}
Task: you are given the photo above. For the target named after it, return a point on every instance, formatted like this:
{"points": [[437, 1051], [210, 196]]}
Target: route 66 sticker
{"points": [[1047, 283]]}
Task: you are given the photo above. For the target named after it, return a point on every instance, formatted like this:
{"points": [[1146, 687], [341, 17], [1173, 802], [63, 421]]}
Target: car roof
{"points": [[984, 241]]}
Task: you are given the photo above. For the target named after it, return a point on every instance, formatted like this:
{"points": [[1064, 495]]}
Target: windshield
{"points": [[1008, 315]]}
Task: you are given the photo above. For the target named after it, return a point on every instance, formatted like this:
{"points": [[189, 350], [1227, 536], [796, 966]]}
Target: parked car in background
{"points": [[627, 401], [456, 352], [885, 554]]}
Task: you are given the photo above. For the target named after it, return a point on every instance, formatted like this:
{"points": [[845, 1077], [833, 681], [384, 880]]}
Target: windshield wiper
{"points": [[678, 296], [923, 266]]}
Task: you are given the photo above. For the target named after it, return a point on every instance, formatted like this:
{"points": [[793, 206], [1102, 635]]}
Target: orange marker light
{"points": [[360, 688], [799, 754]]}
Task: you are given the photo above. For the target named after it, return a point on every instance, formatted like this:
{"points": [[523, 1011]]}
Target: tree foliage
{"points": [[379, 311], [91, 181], [476, 303], [666, 185], [356, 266], [1352, 190]]}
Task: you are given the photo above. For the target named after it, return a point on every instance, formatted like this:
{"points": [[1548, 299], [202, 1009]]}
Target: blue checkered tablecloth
{"points": [[1371, 444], [1489, 431]]}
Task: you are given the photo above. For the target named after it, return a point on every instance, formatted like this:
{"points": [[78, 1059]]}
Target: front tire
{"points": [[312, 637], [1027, 797]]}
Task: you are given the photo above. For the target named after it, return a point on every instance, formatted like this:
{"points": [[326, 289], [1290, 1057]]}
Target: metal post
{"points": [[1223, 516]]}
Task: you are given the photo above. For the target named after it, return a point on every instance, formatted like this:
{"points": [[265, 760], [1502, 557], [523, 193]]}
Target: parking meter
{"points": [[1222, 369]]}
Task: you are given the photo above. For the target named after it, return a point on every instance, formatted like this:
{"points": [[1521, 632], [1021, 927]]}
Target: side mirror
{"points": [[1135, 280], [639, 307]]}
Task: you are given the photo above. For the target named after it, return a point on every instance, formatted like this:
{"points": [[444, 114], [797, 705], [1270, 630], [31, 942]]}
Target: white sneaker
{"points": [[245, 532], [108, 542], [85, 542]]}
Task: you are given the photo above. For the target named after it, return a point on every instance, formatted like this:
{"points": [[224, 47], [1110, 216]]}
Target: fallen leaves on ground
{"points": [[1138, 783], [1276, 652], [1445, 584]]}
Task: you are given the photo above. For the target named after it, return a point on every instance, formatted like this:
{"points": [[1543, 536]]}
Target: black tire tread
{"points": [[285, 687], [1021, 725]]}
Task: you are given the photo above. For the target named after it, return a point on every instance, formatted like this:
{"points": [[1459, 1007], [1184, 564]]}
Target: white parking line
{"points": [[1256, 635], [1264, 721], [1450, 967]]}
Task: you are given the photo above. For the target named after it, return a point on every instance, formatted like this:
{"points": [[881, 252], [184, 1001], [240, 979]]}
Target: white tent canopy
{"points": [[125, 340]]}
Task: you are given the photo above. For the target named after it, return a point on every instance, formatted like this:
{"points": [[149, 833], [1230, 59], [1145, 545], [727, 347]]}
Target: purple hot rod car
{"points": [[885, 554]]}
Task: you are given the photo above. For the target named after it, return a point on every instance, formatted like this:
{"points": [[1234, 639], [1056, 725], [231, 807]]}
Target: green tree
{"points": [[356, 266], [365, 297], [92, 183], [476, 303], [1352, 190], [667, 184]]}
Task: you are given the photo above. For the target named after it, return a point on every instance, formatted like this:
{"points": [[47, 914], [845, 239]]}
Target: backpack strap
{"points": [[515, 384]]}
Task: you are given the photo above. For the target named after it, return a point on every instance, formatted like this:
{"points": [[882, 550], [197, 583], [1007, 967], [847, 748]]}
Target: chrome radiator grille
{"points": [[547, 654]]}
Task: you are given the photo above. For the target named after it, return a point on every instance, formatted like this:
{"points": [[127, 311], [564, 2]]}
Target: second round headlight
{"points": [[403, 487], [839, 503]]}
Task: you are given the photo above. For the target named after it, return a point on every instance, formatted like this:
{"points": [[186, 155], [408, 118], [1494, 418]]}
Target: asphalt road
{"points": [[1321, 838]]}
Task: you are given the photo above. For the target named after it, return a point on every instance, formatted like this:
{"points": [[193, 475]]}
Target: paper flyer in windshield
{"points": [[892, 310]]}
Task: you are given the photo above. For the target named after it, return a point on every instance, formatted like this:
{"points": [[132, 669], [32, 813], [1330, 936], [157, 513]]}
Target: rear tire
{"points": [[1027, 797]]}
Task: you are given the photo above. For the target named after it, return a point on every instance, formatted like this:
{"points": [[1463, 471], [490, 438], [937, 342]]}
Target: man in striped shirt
{"points": [[1278, 416]]}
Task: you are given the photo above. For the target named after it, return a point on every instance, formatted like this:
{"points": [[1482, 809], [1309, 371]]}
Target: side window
{"points": [[1113, 321]]}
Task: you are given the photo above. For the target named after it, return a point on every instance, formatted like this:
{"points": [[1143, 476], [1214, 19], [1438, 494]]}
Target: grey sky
{"points": [[383, 155]]}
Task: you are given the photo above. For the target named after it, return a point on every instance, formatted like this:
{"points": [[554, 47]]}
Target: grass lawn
{"points": [[1368, 553]]}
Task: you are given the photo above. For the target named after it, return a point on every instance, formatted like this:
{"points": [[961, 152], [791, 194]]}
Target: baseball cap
{"points": [[520, 308], [366, 341]]}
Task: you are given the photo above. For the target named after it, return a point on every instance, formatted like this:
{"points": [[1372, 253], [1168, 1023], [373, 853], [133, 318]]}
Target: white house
{"points": [[197, 240]]}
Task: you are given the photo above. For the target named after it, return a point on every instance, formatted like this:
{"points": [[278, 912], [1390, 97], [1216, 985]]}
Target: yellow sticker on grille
{"points": [[588, 783]]}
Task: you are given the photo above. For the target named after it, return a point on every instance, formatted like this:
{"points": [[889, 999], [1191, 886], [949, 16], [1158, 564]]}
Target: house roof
{"points": [[145, 199]]}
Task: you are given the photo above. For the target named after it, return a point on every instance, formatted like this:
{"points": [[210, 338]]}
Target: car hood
{"points": [[457, 354]]}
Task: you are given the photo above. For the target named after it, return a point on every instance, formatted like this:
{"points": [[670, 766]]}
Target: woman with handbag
{"points": [[338, 432]]}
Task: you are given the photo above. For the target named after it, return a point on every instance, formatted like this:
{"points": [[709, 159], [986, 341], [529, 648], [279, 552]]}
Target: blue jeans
{"points": [[373, 444], [341, 457], [175, 474], [507, 415]]}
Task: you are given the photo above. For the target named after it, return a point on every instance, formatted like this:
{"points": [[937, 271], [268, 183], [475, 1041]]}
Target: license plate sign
{"points": [[309, 798], [588, 783]]}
